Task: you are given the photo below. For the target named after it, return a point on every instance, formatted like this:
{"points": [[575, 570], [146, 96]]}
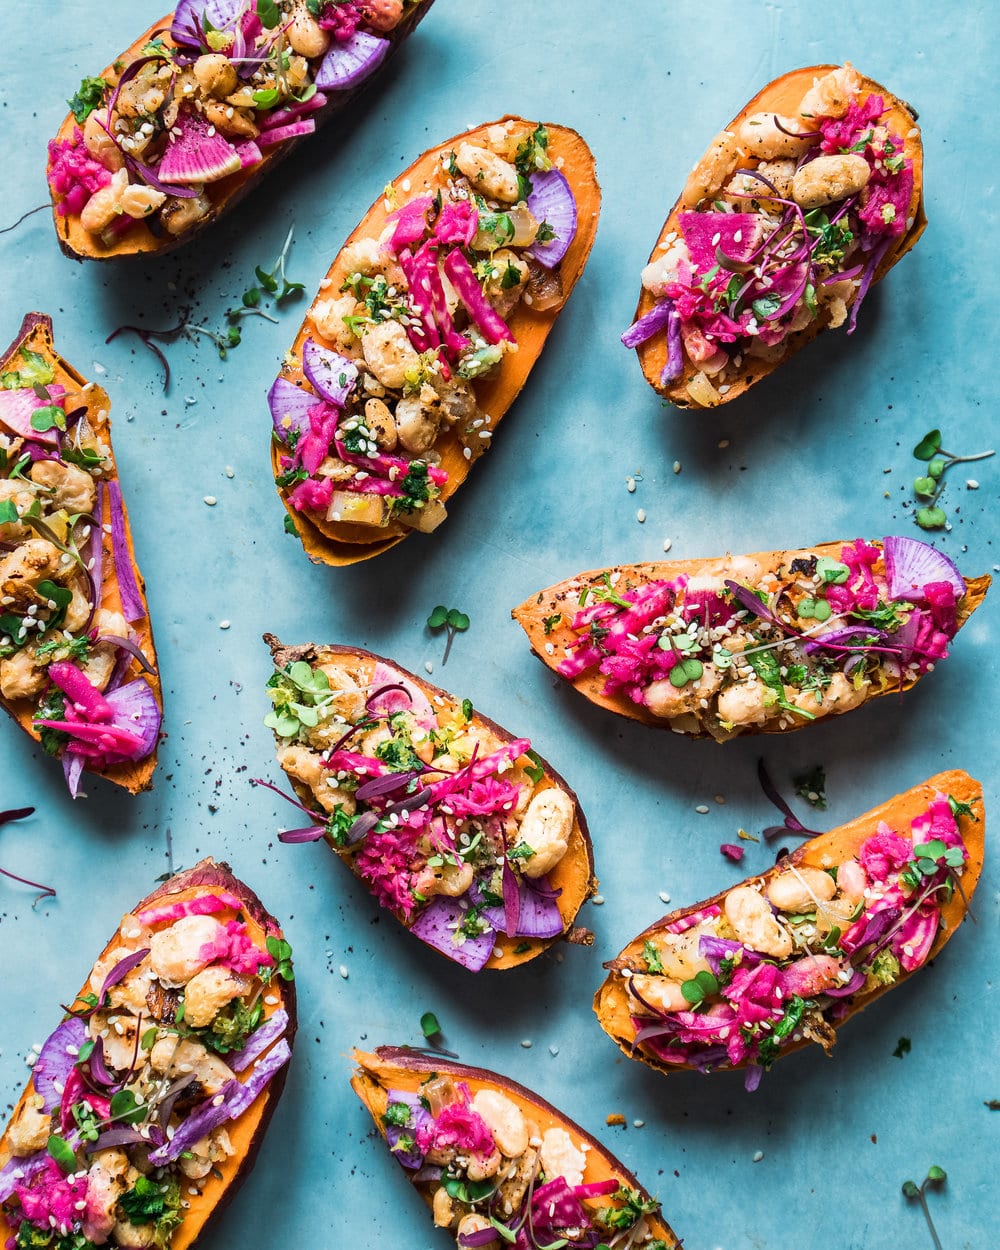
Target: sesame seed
{"points": [[677, 466], [664, 897], [597, 900], [526, 1043], [343, 971], [971, 484], [210, 500], [667, 544], [640, 515], [428, 666], [230, 471], [630, 485], [757, 1156], [702, 809], [638, 1123], [553, 1050]]}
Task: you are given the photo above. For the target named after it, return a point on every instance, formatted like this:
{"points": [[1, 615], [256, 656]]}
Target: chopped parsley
{"points": [[88, 96]]}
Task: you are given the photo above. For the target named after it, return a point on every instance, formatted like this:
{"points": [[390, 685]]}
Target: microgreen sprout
{"points": [[19, 813], [811, 786], [281, 952], [928, 487], [792, 823], [273, 283], [453, 620], [935, 1176]]}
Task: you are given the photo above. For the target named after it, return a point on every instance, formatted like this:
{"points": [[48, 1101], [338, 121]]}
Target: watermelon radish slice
{"points": [[351, 62], [737, 235], [198, 154], [551, 200], [16, 408], [187, 28], [289, 406], [331, 375]]}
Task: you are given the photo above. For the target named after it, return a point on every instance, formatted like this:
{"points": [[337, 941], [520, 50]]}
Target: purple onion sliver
{"points": [[511, 900], [98, 1068], [384, 785], [123, 1135], [133, 607], [649, 324], [165, 1106], [539, 915], [120, 971], [482, 1237], [752, 1079], [437, 925], [72, 766], [869, 274], [307, 833], [674, 367], [259, 1040], [331, 375], [126, 644], [850, 987]]}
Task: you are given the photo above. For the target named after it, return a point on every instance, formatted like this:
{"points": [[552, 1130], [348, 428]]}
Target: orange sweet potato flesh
{"points": [[247, 1132], [563, 598], [340, 543], [36, 335], [80, 244], [393, 1067], [573, 875], [783, 96], [611, 1002]]}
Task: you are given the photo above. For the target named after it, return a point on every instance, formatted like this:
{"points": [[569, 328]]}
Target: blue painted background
{"points": [[820, 452]]}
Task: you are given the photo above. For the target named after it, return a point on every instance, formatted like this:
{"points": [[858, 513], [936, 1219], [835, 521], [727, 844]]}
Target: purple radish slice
{"points": [[331, 375], [187, 26], [57, 1058], [137, 711], [200, 154], [551, 200], [289, 406], [16, 408], [911, 564], [737, 235], [437, 925], [294, 130], [351, 62]]}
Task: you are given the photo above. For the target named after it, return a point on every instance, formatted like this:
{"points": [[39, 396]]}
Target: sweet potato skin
{"points": [[247, 1133], [783, 96], [394, 1067], [611, 1002], [562, 599], [338, 544], [575, 872], [36, 334], [79, 244]]}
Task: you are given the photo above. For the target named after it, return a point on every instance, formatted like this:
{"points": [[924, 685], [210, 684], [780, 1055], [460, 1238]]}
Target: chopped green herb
{"points": [[811, 786], [467, 709], [651, 957], [903, 1047], [62, 1152], [88, 96], [538, 771], [429, 1025], [550, 622]]}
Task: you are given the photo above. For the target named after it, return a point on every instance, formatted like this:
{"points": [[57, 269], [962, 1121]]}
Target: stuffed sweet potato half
{"points": [[77, 663], [788, 956], [811, 194], [487, 1154], [147, 1105], [424, 331], [763, 643], [189, 118], [459, 829]]}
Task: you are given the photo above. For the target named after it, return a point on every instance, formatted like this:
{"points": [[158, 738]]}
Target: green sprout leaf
{"points": [[438, 617], [686, 671], [931, 518], [62, 1152], [429, 1025], [928, 446], [924, 487]]}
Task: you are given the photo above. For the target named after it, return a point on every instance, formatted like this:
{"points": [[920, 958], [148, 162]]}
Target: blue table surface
{"points": [[817, 1156]]}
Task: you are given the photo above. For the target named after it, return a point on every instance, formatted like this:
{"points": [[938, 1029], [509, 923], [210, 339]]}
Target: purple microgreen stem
{"points": [[19, 813]]}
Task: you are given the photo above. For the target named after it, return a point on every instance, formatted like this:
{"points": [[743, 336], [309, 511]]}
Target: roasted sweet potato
{"points": [[494, 1138], [788, 956], [424, 331], [464, 833], [811, 194], [149, 1102], [202, 105], [753, 644], [77, 662]]}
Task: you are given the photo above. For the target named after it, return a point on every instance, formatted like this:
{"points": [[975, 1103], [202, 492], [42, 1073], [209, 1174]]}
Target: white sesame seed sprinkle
{"points": [[210, 500]]}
